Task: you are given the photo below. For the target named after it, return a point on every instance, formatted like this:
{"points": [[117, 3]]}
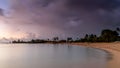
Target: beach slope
{"points": [[113, 48]]}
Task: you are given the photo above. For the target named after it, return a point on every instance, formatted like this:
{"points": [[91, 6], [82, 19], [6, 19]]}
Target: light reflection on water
{"points": [[50, 56]]}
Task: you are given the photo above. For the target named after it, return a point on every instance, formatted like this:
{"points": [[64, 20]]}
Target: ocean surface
{"points": [[51, 56]]}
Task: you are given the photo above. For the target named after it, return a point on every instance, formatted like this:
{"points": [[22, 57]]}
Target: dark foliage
{"points": [[107, 35]]}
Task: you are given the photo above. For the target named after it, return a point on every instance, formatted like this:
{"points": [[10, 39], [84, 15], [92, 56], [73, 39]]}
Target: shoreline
{"points": [[112, 48]]}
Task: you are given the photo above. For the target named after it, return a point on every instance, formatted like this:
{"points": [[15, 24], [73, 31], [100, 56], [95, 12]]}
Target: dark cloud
{"points": [[72, 17], [42, 3], [94, 4], [1, 12]]}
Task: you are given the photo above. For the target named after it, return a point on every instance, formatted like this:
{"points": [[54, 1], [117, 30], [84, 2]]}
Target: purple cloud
{"points": [[64, 17]]}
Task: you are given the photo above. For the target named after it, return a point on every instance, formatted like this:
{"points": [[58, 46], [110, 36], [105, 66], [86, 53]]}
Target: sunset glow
{"points": [[6, 32]]}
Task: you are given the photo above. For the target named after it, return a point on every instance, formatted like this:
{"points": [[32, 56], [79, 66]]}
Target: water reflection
{"points": [[50, 56]]}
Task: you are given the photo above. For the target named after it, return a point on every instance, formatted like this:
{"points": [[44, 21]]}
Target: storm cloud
{"points": [[64, 17], [94, 4], [1, 12]]}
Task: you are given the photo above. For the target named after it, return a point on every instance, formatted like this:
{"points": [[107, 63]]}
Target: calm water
{"points": [[50, 56]]}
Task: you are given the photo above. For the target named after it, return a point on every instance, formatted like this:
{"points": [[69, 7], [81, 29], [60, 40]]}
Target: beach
{"points": [[112, 48]]}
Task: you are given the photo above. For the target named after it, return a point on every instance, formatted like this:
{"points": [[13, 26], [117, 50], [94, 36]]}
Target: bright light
{"points": [[6, 32], [3, 29]]}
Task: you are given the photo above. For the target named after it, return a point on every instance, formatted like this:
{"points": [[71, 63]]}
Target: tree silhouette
{"points": [[109, 35], [118, 29], [106, 35], [69, 39], [86, 37], [55, 39]]}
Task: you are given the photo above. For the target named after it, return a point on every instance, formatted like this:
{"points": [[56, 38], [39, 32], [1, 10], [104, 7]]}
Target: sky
{"points": [[27, 19]]}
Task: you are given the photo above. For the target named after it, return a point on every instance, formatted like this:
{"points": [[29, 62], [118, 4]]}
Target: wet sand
{"points": [[113, 48]]}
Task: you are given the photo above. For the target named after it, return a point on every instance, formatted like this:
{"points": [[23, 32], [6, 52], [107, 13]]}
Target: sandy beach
{"points": [[113, 48]]}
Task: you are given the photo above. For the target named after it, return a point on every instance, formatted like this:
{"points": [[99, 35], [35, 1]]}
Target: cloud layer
{"points": [[46, 18]]}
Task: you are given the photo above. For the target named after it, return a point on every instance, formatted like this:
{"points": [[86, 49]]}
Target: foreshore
{"points": [[113, 48]]}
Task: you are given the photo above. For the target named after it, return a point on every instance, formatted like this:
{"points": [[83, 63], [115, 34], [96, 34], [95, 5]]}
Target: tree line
{"points": [[54, 40], [106, 35]]}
